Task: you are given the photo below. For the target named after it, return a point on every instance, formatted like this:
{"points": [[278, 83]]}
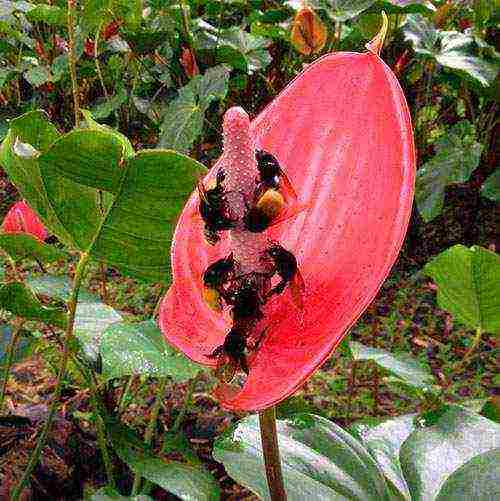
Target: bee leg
{"points": [[277, 289]]}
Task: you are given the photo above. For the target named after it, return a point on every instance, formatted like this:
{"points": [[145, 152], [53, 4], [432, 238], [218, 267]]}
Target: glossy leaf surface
{"points": [[432, 453], [320, 460], [140, 348], [402, 365], [468, 283], [189, 483], [342, 132]]}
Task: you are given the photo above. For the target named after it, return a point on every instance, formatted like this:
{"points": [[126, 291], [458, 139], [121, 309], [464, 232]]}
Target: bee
{"points": [[285, 266], [214, 209], [233, 350], [214, 278], [272, 187], [246, 300]]}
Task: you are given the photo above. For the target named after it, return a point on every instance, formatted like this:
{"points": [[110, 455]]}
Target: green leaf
{"points": [[452, 49], [457, 155], [403, 7], [384, 442], [106, 107], [478, 479], [109, 494], [468, 283], [21, 246], [183, 119], [432, 453], [402, 365], [50, 14], [320, 461], [189, 483], [140, 348], [97, 11], [491, 187], [38, 75], [33, 129], [92, 316], [17, 299]]}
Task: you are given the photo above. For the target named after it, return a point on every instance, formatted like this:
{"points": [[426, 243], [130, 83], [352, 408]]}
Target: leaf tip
{"points": [[376, 44]]}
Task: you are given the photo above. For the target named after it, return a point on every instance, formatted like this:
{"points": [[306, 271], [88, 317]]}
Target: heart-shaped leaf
{"points": [[141, 349], [468, 283], [320, 461], [491, 187], [432, 453]]}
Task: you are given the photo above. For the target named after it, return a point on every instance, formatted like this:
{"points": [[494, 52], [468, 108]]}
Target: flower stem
{"points": [[35, 455], [148, 435], [124, 396], [269, 438], [8, 363]]}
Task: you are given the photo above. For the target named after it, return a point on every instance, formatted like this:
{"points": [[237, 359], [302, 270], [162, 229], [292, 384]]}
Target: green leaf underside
{"points": [[384, 442], [478, 480], [457, 155], [17, 299], [319, 460], [99, 197], [468, 283], [140, 348], [21, 246], [402, 365], [32, 128], [92, 316], [189, 483], [432, 453]]}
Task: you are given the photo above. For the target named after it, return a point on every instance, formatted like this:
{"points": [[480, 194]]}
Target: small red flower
{"points": [[21, 218], [88, 47], [342, 133], [188, 62], [111, 29]]}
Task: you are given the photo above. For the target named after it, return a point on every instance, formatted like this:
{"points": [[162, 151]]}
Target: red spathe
{"points": [[21, 218], [342, 132]]}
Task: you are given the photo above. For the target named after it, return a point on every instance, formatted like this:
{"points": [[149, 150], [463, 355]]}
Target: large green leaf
{"points": [[457, 155], [149, 190], [320, 461], [478, 480], [491, 187], [50, 14], [384, 442], [402, 365], [451, 49], [432, 453], [187, 482], [183, 119], [403, 7], [92, 316], [109, 494], [21, 246], [140, 348], [17, 299], [33, 129], [468, 283]]}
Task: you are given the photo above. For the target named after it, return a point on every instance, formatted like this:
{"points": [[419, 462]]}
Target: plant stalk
{"points": [[35, 455], [269, 438], [148, 435], [8, 364], [475, 343], [72, 58]]}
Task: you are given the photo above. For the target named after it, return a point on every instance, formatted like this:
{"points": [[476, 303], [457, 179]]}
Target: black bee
{"points": [[214, 209], [234, 348], [271, 175], [246, 300], [285, 266], [214, 278], [264, 211]]}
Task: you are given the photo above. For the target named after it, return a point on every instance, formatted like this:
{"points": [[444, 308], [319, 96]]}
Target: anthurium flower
{"points": [[341, 132], [21, 218]]}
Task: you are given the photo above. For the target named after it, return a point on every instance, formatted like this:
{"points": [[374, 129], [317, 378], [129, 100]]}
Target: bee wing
{"points": [[287, 188], [289, 213], [202, 192], [297, 287]]}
